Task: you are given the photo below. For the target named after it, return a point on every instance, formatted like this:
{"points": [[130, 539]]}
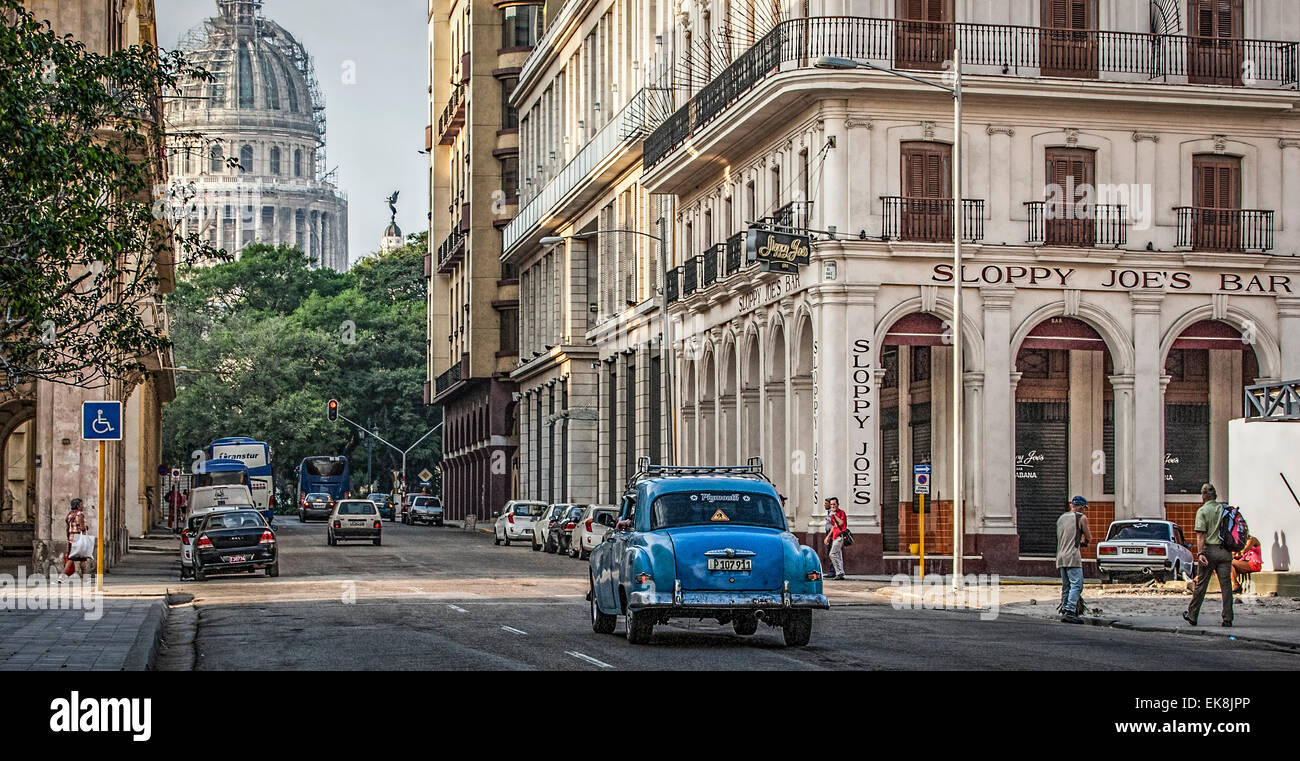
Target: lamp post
{"points": [[829, 62], [552, 240]]}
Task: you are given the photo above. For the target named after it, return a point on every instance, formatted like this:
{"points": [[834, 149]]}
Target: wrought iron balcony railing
{"points": [[987, 49], [451, 250], [451, 377], [735, 254], [710, 262], [690, 275], [930, 219], [1212, 229], [1079, 225], [453, 116], [672, 284]]}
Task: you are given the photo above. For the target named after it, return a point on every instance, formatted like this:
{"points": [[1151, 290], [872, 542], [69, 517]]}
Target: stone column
{"points": [[525, 445], [996, 465], [834, 200], [1125, 488], [973, 454], [1148, 404], [1288, 315]]}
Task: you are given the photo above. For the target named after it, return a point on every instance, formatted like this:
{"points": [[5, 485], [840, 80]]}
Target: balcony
{"points": [[989, 49], [453, 117], [451, 378], [710, 260], [795, 217], [428, 137], [735, 255], [1212, 229], [451, 251], [690, 276], [672, 284], [1077, 225], [930, 219]]}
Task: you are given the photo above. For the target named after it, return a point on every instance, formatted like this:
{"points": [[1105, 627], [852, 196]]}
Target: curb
{"points": [[143, 653], [1201, 632]]}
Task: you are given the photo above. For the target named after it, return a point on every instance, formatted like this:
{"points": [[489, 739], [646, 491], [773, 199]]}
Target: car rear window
{"points": [[529, 509], [574, 513], [356, 508], [318, 495], [715, 508], [1153, 531], [234, 520], [427, 501], [377, 497]]}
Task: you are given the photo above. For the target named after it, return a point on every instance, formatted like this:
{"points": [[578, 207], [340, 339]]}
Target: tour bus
{"points": [[256, 455], [323, 473]]}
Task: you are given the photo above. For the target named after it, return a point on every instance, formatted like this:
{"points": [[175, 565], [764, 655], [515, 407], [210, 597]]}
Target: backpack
{"points": [[1233, 531]]}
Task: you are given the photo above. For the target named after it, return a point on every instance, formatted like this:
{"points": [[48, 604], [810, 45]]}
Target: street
{"points": [[443, 598]]}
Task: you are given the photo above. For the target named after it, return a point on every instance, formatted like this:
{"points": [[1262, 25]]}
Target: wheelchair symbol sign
{"points": [[101, 421]]}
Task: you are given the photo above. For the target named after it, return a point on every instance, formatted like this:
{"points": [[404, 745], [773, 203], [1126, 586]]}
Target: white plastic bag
{"points": [[82, 547]]}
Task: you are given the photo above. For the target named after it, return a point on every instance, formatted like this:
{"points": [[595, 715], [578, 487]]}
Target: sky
{"points": [[372, 63]]}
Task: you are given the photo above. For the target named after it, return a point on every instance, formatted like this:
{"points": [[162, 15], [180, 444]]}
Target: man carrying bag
{"points": [[838, 537]]}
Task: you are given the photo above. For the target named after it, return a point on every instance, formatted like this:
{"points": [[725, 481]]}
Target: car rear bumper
{"points": [[694, 602], [1134, 565], [357, 533], [214, 562], [519, 533], [311, 512]]}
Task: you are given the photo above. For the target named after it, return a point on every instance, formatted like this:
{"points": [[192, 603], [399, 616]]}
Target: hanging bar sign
{"points": [[776, 252]]}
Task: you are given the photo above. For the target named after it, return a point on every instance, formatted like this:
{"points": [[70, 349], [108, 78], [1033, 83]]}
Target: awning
{"points": [[917, 329], [1210, 334], [1064, 333]]}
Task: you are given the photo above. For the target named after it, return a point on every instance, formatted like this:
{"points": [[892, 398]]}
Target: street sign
{"points": [[101, 421], [921, 475], [162, 470], [425, 475], [176, 472]]}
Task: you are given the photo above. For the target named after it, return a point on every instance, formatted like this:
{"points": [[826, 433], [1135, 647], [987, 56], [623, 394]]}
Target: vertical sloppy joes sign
{"points": [[860, 427]]}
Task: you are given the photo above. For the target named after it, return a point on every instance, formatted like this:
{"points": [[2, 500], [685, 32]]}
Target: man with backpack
{"points": [[1211, 554], [1071, 534]]}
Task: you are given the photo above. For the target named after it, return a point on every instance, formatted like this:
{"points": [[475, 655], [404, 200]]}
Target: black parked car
{"points": [[387, 507], [560, 530], [237, 540]]}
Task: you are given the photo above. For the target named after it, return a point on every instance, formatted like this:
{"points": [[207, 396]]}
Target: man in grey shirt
{"points": [[1071, 534], [1211, 558]]}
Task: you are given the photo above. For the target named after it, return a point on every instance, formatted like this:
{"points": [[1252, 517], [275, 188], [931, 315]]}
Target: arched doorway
{"points": [[1207, 366], [751, 415], [777, 462], [801, 503], [689, 453], [17, 475], [727, 406], [1064, 421], [708, 383]]}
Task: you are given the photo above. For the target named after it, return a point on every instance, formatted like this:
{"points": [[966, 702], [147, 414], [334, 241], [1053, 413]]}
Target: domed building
{"points": [[250, 145]]}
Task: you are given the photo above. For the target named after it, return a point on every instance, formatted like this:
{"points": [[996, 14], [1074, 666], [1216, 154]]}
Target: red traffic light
{"points": [[333, 410]]}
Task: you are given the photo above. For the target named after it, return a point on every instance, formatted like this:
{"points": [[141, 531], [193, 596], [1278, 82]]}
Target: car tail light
{"points": [[338, 524], [813, 576], [1106, 551], [204, 543], [569, 526], [589, 524], [267, 537], [642, 578], [510, 517], [185, 537], [377, 524], [1156, 550]]}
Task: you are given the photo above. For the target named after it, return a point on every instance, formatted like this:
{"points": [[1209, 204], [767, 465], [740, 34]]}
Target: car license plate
{"points": [[1131, 550], [731, 564], [236, 558]]}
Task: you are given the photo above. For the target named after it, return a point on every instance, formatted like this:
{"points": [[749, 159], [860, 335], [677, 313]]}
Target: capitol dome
{"points": [[252, 141]]}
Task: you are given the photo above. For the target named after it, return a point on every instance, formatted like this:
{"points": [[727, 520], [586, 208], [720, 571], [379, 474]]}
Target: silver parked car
{"points": [[592, 527], [1144, 548]]}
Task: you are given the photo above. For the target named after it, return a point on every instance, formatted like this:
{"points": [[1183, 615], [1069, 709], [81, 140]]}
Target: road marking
{"points": [[457, 608], [513, 630], [588, 659]]}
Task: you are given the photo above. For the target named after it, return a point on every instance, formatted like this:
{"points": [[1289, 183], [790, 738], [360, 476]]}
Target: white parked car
{"points": [[516, 521], [541, 528], [1145, 548], [592, 527]]}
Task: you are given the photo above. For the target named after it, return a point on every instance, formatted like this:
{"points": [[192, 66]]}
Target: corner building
{"points": [[1129, 212], [476, 50]]}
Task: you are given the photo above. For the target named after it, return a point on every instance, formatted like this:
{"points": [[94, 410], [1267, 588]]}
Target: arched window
{"points": [[289, 88], [246, 158], [218, 159], [297, 162], [275, 161], [245, 77], [272, 86]]}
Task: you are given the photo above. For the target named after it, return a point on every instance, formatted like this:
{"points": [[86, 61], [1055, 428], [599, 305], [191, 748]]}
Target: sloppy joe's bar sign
{"points": [[1116, 278], [780, 252]]}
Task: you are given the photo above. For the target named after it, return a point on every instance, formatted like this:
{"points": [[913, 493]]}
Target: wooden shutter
{"points": [[923, 39], [1216, 194], [1070, 223], [1215, 50], [926, 206]]}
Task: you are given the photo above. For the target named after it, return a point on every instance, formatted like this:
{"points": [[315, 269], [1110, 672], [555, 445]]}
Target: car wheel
{"points": [[496, 539], [745, 624], [797, 628], [439, 524], [301, 518], [639, 627], [584, 554], [551, 547], [273, 570], [1178, 570], [601, 623], [330, 540], [536, 546], [507, 540], [1160, 577], [379, 540], [199, 575]]}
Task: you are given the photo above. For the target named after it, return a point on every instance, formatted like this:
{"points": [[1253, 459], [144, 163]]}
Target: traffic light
{"points": [[332, 410]]}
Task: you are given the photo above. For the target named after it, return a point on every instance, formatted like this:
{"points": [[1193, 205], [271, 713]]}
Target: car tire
{"points": [[745, 624], [379, 541], [199, 575], [797, 628], [640, 626], [551, 547], [440, 524], [601, 623], [583, 555], [273, 570], [536, 546], [301, 518], [496, 539], [507, 542], [330, 540]]}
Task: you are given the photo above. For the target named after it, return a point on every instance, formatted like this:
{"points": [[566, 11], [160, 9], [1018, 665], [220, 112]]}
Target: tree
{"points": [[280, 339], [84, 217]]}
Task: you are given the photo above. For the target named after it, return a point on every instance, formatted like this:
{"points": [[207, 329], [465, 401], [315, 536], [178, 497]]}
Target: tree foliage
{"points": [[83, 224], [276, 340]]}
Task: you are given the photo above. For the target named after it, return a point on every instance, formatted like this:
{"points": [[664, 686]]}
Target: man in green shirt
{"points": [[1209, 555]]}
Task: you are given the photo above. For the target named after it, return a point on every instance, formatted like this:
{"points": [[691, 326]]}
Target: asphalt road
{"points": [[443, 598]]}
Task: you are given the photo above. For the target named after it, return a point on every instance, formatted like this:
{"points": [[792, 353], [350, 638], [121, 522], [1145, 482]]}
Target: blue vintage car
{"points": [[704, 542]]}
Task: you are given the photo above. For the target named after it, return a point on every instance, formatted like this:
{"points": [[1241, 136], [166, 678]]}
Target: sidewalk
{"points": [[120, 633]]}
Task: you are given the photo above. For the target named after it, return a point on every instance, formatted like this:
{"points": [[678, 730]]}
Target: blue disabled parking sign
{"points": [[101, 421]]}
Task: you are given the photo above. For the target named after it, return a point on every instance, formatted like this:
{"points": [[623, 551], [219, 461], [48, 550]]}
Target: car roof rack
{"points": [[646, 469]]}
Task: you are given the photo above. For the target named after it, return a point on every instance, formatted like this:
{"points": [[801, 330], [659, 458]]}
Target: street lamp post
{"points": [[552, 240], [829, 62]]}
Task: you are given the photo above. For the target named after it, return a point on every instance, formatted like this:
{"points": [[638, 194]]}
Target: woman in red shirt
{"points": [[1249, 560]]}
